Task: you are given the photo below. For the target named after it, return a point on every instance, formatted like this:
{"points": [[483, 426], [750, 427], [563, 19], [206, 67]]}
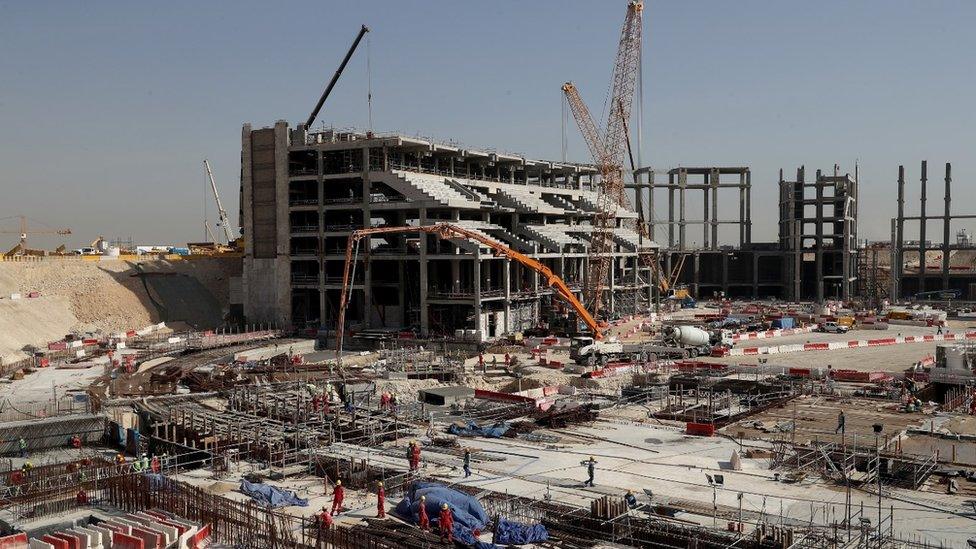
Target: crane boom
{"points": [[224, 220], [23, 232], [608, 151], [335, 77], [448, 231]]}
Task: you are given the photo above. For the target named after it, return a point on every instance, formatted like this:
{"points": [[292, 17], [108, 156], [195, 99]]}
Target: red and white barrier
{"points": [[825, 346], [773, 333]]}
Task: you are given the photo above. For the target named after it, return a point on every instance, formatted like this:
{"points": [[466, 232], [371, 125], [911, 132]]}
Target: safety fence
{"points": [[833, 345]]}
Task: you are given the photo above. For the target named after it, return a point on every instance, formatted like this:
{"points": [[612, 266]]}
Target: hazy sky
{"points": [[107, 109]]}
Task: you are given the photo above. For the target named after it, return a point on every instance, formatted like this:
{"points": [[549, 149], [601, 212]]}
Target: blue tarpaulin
{"points": [[468, 513], [269, 495], [472, 429], [515, 533]]}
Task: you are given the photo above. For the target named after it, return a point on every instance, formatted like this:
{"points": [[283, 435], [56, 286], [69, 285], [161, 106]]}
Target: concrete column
{"points": [[682, 183], [476, 266], [320, 183], [818, 185], [921, 229], [715, 179], [706, 224], [749, 207], [365, 245], [670, 210], [898, 244], [424, 308], [945, 227], [742, 209], [507, 285], [695, 277]]}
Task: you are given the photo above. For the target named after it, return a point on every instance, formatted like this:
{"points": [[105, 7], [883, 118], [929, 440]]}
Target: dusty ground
{"points": [[99, 296], [816, 420]]}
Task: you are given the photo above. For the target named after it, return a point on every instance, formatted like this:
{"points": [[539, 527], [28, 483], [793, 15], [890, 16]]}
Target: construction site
{"points": [[404, 343]]}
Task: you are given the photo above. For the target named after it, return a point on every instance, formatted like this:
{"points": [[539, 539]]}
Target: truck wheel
{"points": [[635, 357], [693, 353], [603, 360], [590, 360]]}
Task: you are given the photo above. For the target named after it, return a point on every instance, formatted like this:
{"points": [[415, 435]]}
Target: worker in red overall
{"points": [[422, 519], [380, 501], [325, 518], [446, 524], [384, 400], [81, 498], [338, 494], [415, 457], [76, 441], [155, 465]]}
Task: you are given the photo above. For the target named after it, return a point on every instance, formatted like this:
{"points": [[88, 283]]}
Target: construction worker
{"points": [[26, 467], [446, 523], [841, 423], [422, 519], [508, 359], [631, 499], [155, 465], [76, 441], [338, 494], [415, 457], [22, 444], [481, 361], [325, 518], [590, 468], [380, 501], [410, 446], [81, 498], [467, 462], [144, 462], [494, 362], [137, 465]]}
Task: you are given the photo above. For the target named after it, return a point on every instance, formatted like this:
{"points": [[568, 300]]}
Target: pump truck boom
{"points": [[450, 231]]}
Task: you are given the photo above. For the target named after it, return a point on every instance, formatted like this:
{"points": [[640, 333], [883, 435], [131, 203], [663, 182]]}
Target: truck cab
{"points": [[577, 346]]}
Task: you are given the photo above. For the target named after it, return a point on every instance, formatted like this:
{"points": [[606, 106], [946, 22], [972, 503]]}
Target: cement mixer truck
{"points": [[695, 340]]}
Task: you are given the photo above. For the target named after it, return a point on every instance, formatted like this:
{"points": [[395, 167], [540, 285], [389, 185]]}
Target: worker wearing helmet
{"points": [[422, 519], [380, 501], [338, 494], [445, 523]]}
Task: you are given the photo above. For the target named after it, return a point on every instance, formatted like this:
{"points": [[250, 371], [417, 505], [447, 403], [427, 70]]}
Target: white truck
{"points": [[588, 352], [833, 328], [679, 342]]}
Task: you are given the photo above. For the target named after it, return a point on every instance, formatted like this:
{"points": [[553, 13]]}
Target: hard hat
{"points": [[592, 459], [444, 506], [380, 484], [339, 482], [423, 498]]}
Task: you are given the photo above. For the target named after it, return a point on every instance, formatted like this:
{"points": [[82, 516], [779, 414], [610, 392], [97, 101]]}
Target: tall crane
{"points": [[335, 77], [450, 231], [21, 247], [224, 220], [607, 149]]}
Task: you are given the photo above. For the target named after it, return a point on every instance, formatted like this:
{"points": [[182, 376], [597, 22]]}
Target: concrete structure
{"points": [[818, 230], [302, 193], [946, 269]]}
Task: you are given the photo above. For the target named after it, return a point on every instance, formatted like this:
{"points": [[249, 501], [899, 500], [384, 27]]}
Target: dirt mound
{"points": [[114, 295], [32, 322]]}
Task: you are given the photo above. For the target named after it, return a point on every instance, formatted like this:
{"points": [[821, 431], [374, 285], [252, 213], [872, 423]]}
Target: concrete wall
{"points": [[265, 284]]}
